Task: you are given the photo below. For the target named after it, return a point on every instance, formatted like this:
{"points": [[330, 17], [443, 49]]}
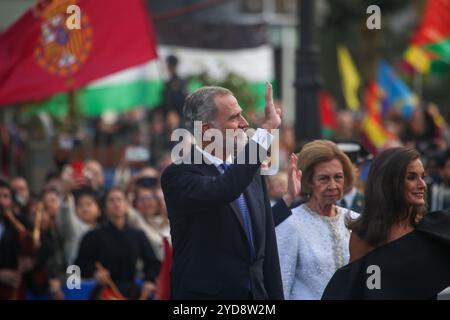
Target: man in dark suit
{"points": [[224, 244]]}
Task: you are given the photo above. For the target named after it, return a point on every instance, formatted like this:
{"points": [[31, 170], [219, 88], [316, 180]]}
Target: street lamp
{"points": [[307, 83]]}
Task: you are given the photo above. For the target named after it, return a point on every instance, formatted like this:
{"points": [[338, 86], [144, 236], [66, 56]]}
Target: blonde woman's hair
{"points": [[319, 151]]}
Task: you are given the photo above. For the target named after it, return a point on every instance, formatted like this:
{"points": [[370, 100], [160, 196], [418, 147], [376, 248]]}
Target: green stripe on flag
{"points": [[57, 106], [439, 67], [441, 48], [93, 101], [327, 133]]}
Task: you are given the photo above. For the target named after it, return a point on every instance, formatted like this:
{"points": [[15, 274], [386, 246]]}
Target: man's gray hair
{"points": [[200, 105]]}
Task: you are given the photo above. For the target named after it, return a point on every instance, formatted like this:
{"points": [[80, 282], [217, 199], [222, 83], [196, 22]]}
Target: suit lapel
{"points": [[211, 170], [238, 214]]}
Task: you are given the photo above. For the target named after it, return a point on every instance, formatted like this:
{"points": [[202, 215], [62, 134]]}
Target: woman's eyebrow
{"points": [[329, 174], [415, 173]]}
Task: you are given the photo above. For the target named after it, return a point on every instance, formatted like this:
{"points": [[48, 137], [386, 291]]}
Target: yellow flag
{"points": [[418, 59], [350, 78]]}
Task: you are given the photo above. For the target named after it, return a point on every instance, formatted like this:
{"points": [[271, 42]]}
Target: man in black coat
{"points": [[224, 244]]}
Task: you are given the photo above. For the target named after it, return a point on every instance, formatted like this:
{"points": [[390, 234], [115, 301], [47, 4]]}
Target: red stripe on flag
{"points": [[435, 25], [374, 134], [116, 36]]}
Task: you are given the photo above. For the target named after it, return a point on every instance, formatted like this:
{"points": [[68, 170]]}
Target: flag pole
{"points": [[71, 113], [418, 84], [73, 122], [308, 82]]}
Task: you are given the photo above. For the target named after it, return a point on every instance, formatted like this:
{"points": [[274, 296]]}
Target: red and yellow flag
{"points": [[431, 40], [375, 135], [42, 54], [327, 114]]}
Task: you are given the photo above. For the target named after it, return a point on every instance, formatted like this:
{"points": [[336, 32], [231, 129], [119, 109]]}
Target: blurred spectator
{"points": [[287, 146], [94, 171], [16, 250], [107, 136], [172, 121], [12, 146], [150, 216], [21, 191], [53, 181], [164, 161], [425, 131], [52, 203], [134, 126], [277, 186], [148, 172], [76, 218], [134, 158], [147, 176], [175, 89], [345, 126], [107, 128], [160, 138], [353, 199], [49, 264], [439, 191], [95, 178], [117, 247], [22, 197], [390, 144], [63, 151]]}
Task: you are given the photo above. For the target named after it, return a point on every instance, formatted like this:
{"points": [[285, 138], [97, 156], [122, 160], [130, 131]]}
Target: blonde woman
{"points": [[313, 242]]}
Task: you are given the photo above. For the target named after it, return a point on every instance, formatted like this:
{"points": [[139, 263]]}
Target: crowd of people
{"points": [[114, 236], [235, 234]]}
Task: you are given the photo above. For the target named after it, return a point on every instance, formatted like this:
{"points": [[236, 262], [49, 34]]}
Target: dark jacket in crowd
{"points": [[118, 251]]}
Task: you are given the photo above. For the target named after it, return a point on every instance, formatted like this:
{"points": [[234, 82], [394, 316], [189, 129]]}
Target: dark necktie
{"points": [[242, 204]]}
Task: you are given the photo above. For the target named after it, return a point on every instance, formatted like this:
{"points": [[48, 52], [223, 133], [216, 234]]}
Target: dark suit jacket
{"points": [[211, 256]]}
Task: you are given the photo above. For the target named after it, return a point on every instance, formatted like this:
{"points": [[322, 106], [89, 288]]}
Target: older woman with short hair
{"points": [[313, 242]]}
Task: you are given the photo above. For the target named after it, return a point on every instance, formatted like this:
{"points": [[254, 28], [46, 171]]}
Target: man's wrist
{"points": [[263, 138]]}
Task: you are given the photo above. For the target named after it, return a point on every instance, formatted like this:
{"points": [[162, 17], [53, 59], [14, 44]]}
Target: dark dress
{"points": [[415, 266]]}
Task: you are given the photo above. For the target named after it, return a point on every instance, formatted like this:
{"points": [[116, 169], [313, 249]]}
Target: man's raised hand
{"points": [[272, 119]]}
